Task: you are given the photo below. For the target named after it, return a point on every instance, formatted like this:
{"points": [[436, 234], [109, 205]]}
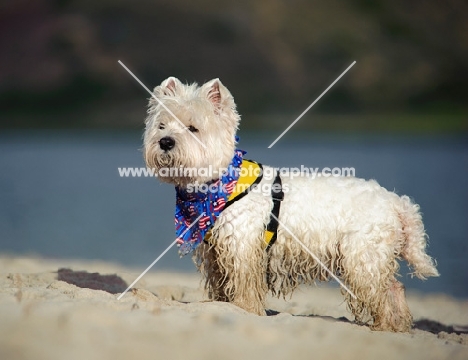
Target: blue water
{"points": [[61, 195]]}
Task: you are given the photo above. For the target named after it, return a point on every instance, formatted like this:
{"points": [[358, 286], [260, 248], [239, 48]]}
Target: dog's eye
{"points": [[192, 128], [161, 126]]}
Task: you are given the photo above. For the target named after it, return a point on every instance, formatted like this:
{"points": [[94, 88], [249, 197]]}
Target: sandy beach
{"points": [[62, 309]]}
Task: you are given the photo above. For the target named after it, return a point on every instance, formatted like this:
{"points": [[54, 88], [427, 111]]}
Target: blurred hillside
{"points": [[58, 63]]}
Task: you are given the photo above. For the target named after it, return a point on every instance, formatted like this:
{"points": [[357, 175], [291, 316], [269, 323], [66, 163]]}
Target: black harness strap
{"points": [[277, 196]]}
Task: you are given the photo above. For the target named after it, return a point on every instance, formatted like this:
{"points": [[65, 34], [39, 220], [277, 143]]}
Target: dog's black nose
{"points": [[166, 143]]}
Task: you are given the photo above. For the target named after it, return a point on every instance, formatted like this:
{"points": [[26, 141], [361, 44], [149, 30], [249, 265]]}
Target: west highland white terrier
{"points": [[249, 236]]}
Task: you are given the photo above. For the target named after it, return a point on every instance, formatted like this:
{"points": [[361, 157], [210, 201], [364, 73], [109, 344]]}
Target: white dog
{"points": [[247, 243]]}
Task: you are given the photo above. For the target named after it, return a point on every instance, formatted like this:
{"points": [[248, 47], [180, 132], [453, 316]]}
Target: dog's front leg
{"points": [[214, 275], [246, 285], [235, 271]]}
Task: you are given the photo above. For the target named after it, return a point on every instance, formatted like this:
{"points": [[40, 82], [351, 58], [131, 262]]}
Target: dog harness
{"points": [[231, 187], [248, 182]]}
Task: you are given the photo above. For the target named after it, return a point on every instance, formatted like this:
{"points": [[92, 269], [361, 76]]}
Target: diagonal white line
{"points": [[158, 258], [305, 111], [315, 257], [160, 103]]}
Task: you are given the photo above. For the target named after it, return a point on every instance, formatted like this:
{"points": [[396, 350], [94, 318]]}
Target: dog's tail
{"points": [[415, 236]]}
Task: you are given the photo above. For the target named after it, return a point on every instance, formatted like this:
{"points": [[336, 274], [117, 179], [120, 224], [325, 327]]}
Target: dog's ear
{"points": [[218, 95], [168, 87], [213, 93]]}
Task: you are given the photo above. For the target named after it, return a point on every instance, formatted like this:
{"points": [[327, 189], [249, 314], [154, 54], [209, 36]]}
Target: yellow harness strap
{"points": [[268, 236], [251, 174]]}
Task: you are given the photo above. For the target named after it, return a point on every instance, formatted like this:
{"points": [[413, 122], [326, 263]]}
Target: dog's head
{"points": [[190, 127]]}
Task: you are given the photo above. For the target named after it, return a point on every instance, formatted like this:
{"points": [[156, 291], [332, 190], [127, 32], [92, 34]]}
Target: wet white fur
{"points": [[357, 228]]}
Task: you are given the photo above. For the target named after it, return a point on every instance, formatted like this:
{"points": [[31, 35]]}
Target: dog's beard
{"points": [[165, 160], [169, 166]]}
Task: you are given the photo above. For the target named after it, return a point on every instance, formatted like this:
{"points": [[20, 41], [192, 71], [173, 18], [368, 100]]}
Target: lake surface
{"points": [[61, 195]]}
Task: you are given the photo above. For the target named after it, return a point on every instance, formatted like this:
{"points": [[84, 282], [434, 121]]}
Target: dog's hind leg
{"points": [[380, 297], [393, 313]]}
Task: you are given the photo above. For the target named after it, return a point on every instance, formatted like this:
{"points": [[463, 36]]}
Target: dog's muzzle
{"points": [[166, 143]]}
